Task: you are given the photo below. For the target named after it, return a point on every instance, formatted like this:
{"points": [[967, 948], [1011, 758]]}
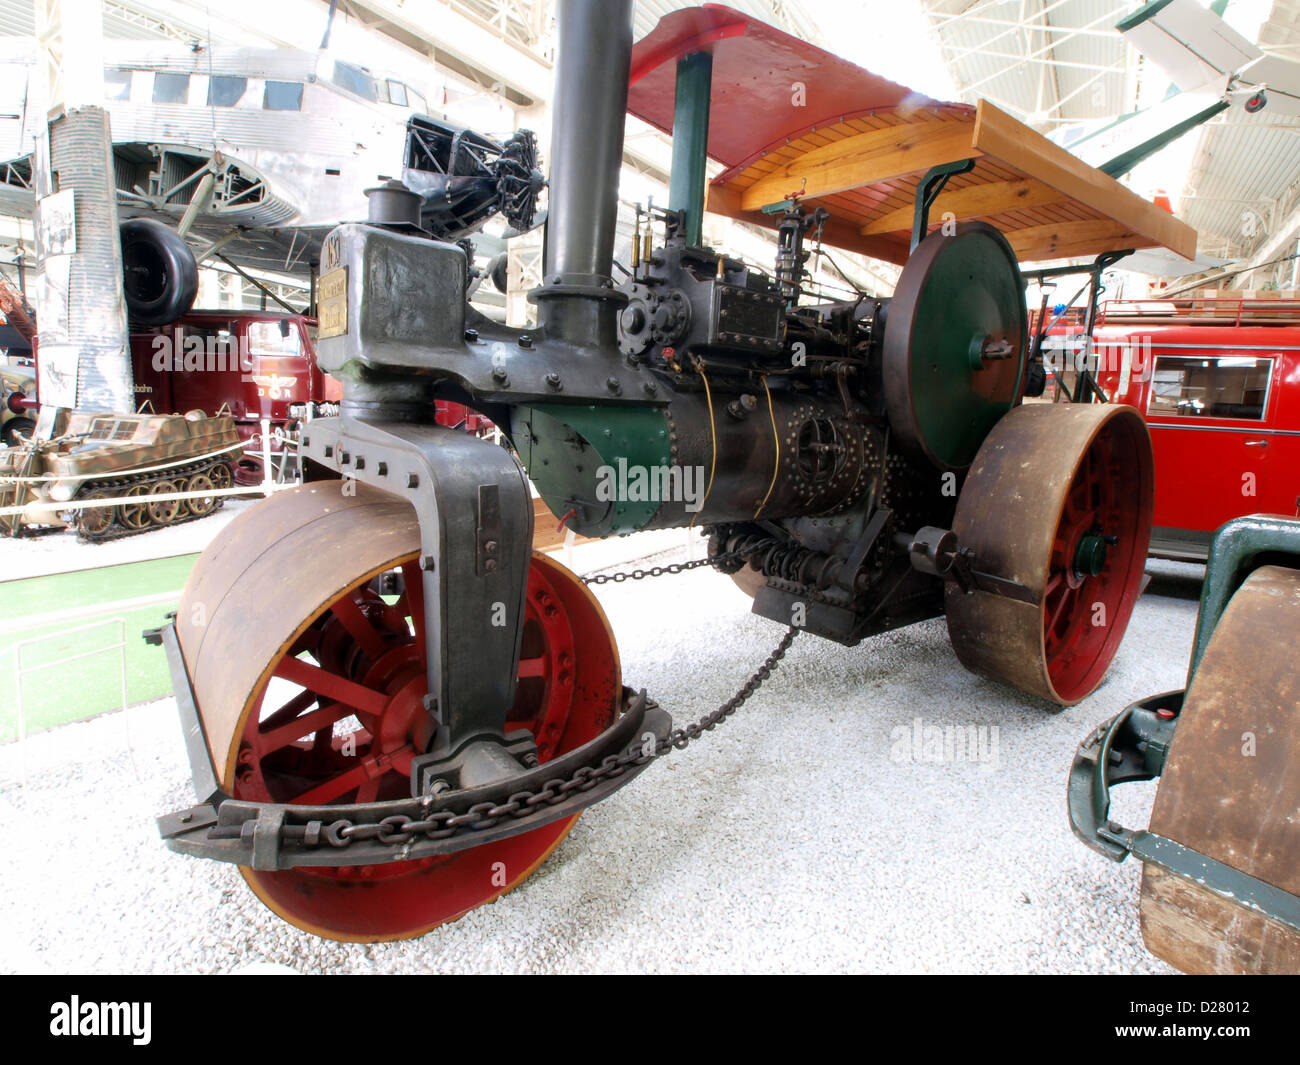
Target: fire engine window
{"points": [[226, 92], [397, 93], [283, 96], [117, 85], [209, 348], [267, 338], [171, 88], [1189, 386]]}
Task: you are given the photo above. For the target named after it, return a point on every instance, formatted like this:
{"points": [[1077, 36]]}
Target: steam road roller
{"points": [[413, 721], [1221, 857]]}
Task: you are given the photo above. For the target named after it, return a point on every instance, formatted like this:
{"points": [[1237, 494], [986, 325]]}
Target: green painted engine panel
{"points": [[573, 451]]}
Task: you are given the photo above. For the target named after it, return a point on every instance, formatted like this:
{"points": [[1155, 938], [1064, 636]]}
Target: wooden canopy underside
{"points": [[864, 170]]}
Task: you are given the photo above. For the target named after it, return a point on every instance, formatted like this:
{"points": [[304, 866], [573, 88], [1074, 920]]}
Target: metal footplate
{"points": [[280, 836], [1133, 746]]}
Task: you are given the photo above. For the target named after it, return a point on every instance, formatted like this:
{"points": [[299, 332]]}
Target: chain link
{"points": [[400, 830], [663, 571]]}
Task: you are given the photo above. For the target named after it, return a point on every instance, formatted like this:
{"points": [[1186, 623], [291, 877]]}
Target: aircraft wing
{"points": [[290, 250], [1188, 42], [1160, 262], [1280, 79]]}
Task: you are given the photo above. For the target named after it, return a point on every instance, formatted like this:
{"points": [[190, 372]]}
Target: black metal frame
{"points": [[267, 835], [1132, 746], [406, 317], [474, 509], [1086, 387]]}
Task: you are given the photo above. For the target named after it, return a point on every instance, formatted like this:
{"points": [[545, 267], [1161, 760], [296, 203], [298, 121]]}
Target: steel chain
{"points": [[663, 571], [400, 830]]}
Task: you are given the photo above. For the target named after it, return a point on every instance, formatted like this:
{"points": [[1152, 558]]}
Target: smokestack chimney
{"points": [[590, 103]]}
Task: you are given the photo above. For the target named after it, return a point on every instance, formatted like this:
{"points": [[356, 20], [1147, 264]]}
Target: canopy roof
{"points": [[790, 119]]}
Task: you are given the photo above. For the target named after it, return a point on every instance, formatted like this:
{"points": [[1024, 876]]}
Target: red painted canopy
{"points": [[790, 119], [756, 71]]}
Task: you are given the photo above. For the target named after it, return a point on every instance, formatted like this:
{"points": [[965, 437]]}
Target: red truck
{"points": [[1218, 381], [259, 364]]}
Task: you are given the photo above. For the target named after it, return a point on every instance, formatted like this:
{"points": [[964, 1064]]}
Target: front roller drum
{"points": [[1058, 507], [1230, 789], [310, 683]]}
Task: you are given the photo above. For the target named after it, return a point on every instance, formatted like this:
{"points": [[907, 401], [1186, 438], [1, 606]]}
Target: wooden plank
{"points": [[973, 201], [1049, 204], [1200, 932], [864, 159], [1066, 239], [999, 135]]}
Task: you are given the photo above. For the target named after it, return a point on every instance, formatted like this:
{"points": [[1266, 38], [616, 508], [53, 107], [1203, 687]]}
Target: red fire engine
{"points": [[1218, 381], [259, 365]]}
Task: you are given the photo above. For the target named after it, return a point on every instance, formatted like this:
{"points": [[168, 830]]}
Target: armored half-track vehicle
{"points": [[111, 475]]}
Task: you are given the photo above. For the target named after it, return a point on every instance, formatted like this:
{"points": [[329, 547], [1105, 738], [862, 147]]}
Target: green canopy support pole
{"points": [[927, 191], [691, 141]]}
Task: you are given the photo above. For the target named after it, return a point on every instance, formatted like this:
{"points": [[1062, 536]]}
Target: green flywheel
{"points": [[955, 341]]}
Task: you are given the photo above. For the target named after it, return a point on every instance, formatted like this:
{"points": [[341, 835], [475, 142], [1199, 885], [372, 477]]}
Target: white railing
{"points": [[271, 482]]}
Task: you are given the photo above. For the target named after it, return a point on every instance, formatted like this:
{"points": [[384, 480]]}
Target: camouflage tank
{"points": [[123, 457]]}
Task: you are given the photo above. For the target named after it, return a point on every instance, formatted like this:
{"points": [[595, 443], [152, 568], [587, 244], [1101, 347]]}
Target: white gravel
{"points": [[792, 838]]}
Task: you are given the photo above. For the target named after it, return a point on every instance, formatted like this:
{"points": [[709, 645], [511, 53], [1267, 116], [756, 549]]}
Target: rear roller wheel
{"points": [[1059, 501], [315, 695], [1231, 788]]}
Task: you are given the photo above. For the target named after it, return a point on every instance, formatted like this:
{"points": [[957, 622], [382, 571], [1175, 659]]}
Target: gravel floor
{"points": [[799, 836]]}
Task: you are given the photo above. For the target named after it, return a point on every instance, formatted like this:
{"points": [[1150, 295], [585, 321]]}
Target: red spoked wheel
{"points": [[1058, 501], [338, 716], [1093, 573]]}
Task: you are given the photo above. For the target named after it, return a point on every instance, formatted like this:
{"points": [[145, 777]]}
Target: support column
{"points": [[691, 141], [84, 359]]}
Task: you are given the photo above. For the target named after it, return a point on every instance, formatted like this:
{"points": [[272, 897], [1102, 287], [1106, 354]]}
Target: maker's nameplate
{"points": [[333, 301]]}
